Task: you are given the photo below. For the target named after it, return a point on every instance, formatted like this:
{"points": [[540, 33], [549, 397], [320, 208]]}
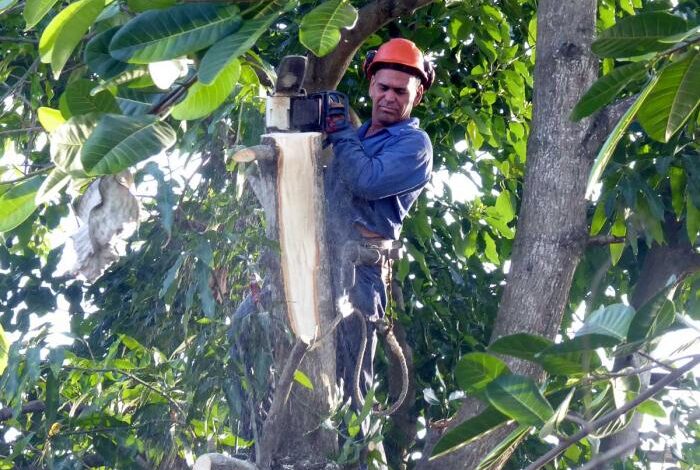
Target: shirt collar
{"points": [[394, 129]]}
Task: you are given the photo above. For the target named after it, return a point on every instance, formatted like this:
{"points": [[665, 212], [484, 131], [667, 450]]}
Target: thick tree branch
{"points": [[271, 433], [325, 73], [612, 416]]}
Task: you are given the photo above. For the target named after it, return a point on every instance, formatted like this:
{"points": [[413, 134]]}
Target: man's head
{"points": [[394, 94], [399, 75]]}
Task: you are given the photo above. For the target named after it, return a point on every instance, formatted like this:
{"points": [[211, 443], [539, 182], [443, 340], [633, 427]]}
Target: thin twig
{"points": [[29, 175], [605, 240], [656, 361], [20, 131], [18, 84], [612, 416]]}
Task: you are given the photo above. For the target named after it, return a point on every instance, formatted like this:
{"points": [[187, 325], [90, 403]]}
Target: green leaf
{"points": [[4, 350], [521, 345], [618, 229], [652, 408], [476, 370], [642, 325], [35, 10], [638, 35], [568, 363], [673, 99], [143, 5], [505, 205], [77, 99], [692, 221], [677, 182], [167, 290], [606, 88], [119, 142], [606, 151], [494, 459], [605, 327], [17, 204], [303, 379], [158, 35], [468, 431], [202, 99], [490, 249], [221, 54], [135, 102], [98, 58], [67, 141], [320, 28], [599, 218], [517, 396], [49, 118], [552, 424], [54, 182], [65, 32]]}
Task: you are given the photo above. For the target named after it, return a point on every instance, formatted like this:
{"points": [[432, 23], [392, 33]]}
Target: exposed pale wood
{"points": [[299, 228], [221, 462]]}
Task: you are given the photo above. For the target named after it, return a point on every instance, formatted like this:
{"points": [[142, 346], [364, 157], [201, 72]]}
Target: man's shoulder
{"points": [[414, 134]]}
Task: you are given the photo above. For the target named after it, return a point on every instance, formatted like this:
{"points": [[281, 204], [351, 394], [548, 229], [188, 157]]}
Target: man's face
{"points": [[394, 94]]}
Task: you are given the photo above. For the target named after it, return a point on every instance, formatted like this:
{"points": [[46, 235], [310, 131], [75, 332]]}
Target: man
{"points": [[376, 175]]}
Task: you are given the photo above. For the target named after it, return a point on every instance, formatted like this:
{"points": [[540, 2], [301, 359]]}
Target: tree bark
{"points": [[551, 230]]}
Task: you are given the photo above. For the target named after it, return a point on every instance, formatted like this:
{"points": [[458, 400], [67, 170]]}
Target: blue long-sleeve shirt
{"points": [[383, 174]]}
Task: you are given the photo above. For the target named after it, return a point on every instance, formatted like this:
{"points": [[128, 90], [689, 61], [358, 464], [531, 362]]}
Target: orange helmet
{"points": [[400, 54]]}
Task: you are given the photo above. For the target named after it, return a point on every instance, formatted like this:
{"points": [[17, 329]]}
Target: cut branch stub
{"points": [[256, 152]]}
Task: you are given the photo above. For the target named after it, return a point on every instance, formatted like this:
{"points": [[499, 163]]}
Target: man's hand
{"points": [[336, 112]]}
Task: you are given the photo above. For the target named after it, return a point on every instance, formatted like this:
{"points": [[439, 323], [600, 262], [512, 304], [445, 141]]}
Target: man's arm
{"points": [[404, 164]]}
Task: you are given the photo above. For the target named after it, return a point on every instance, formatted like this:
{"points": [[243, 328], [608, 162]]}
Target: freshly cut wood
{"points": [[221, 462], [300, 216]]}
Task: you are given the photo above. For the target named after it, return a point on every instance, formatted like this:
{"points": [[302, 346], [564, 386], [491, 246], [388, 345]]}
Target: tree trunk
{"points": [[551, 230]]}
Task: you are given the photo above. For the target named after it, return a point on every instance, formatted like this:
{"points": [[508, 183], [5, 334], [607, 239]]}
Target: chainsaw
{"points": [[291, 109]]}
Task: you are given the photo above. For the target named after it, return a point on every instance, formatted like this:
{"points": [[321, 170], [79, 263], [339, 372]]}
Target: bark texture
{"points": [[551, 229]]}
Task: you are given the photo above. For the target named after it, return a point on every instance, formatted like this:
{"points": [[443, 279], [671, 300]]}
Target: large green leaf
{"points": [[522, 345], [466, 432], [605, 327], [157, 35], [65, 32], [221, 54], [67, 142], [606, 151], [692, 221], [98, 58], [517, 396], [202, 99], [568, 363], [500, 454], [673, 99], [143, 5], [77, 99], [135, 102], [638, 35], [50, 119], [642, 324], [320, 28], [4, 350], [35, 10], [17, 204], [606, 88], [552, 424], [121, 141], [476, 370]]}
